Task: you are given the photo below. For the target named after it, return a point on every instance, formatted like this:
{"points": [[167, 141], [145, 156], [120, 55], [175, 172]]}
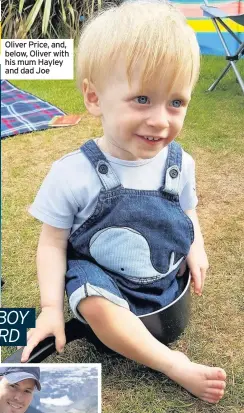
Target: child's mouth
{"points": [[150, 139]]}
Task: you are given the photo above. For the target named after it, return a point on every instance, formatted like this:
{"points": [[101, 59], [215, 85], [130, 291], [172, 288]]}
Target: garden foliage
{"points": [[47, 18]]}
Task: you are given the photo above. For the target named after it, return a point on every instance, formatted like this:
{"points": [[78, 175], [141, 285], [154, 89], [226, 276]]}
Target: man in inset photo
{"points": [[17, 386]]}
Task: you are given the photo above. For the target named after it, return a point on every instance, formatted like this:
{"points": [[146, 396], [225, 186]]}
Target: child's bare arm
{"points": [[51, 269], [51, 265], [197, 258], [192, 213]]}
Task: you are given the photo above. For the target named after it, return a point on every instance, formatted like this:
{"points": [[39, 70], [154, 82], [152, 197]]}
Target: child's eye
{"points": [[142, 99], [176, 103]]}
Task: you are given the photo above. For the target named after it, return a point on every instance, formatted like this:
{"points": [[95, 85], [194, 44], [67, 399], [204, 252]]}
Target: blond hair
{"points": [[152, 33]]}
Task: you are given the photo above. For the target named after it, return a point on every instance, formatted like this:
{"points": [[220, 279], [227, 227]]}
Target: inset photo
{"points": [[50, 388]]}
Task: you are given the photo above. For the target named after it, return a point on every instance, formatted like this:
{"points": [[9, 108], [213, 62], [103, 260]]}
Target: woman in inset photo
{"points": [[17, 386]]}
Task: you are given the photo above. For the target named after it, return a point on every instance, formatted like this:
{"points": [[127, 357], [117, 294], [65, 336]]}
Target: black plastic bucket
{"points": [[166, 325]]}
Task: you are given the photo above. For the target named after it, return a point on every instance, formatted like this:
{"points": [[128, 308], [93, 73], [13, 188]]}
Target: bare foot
{"points": [[207, 383]]}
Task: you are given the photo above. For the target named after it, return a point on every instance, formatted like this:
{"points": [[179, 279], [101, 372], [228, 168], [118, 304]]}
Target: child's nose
{"points": [[158, 117]]}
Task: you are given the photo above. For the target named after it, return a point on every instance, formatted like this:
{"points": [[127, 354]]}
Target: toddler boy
{"points": [[119, 218]]}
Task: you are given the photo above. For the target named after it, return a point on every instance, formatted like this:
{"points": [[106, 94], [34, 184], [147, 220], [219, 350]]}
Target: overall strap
{"points": [[171, 178], [104, 170]]}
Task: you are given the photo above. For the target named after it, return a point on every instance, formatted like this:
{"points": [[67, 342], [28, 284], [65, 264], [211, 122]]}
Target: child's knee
{"points": [[93, 308]]}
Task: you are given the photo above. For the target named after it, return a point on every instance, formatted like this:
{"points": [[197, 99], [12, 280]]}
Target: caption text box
{"points": [[37, 59]]}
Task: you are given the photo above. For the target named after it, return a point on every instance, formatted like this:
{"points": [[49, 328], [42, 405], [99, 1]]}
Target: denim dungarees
{"points": [[130, 249]]}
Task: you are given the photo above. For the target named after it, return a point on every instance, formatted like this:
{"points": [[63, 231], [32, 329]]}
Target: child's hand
{"points": [[50, 322], [197, 262]]}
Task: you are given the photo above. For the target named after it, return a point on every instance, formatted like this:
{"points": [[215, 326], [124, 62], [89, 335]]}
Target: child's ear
{"points": [[90, 98]]}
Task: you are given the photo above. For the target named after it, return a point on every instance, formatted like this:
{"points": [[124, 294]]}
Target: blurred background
{"points": [[67, 389], [62, 19]]}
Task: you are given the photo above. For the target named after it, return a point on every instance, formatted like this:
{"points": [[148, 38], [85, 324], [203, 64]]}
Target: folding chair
{"points": [[217, 16]]}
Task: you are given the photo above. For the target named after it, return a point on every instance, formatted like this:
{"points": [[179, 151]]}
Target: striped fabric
{"points": [[22, 112], [208, 39]]}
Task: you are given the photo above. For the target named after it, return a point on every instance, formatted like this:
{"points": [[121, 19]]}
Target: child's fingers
{"points": [[197, 278], [30, 333], [203, 276], [32, 342], [28, 336], [60, 339]]}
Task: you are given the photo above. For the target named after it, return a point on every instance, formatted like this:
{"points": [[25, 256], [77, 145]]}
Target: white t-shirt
{"points": [[68, 194]]}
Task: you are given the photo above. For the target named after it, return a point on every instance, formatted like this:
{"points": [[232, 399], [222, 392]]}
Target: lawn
{"points": [[213, 134]]}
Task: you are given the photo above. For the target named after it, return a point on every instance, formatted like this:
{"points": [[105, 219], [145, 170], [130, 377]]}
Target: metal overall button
{"points": [[173, 173], [103, 169]]}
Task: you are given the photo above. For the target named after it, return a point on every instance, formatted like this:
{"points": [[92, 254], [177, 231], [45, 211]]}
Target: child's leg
{"points": [[123, 332]]}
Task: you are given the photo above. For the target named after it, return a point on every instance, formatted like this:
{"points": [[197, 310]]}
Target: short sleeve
{"points": [[55, 204], [188, 197]]}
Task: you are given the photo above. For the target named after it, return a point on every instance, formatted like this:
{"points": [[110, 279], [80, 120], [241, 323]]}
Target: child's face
{"points": [[129, 118]]}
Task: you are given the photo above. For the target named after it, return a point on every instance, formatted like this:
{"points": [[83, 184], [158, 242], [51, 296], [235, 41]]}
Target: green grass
{"points": [[213, 134], [61, 93]]}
